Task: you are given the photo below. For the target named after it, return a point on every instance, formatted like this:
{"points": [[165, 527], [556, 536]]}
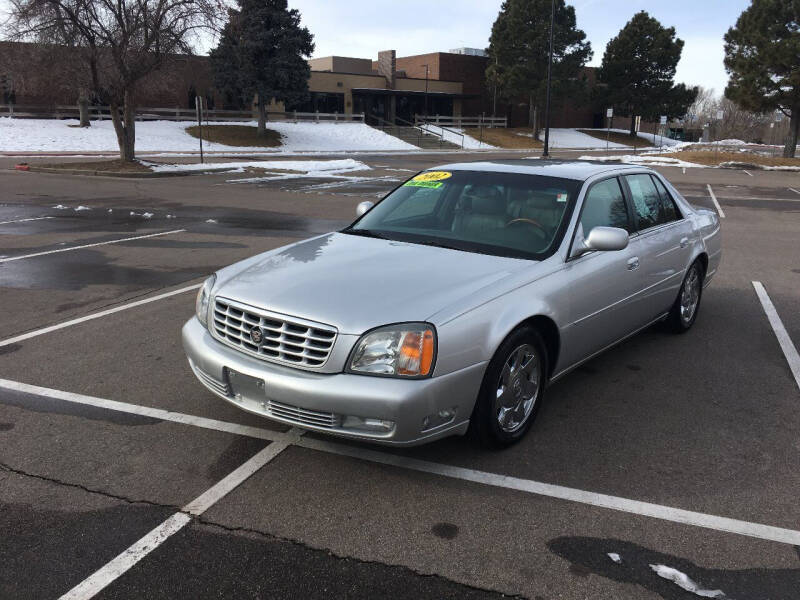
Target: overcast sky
{"points": [[363, 27]]}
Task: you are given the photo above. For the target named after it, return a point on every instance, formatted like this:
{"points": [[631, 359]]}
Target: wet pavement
{"points": [[706, 422]]}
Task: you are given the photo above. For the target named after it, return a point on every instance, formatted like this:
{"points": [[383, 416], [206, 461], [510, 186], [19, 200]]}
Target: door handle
{"points": [[633, 263], [684, 242]]}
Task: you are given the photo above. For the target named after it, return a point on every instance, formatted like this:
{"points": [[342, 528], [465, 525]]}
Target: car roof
{"points": [[566, 169]]}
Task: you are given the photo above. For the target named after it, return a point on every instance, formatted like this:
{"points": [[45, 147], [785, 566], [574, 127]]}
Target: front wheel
{"points": [[684, 312], [512, 390]]}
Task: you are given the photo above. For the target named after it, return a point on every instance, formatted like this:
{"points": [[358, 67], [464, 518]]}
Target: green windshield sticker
{"points": [[424, 184]]}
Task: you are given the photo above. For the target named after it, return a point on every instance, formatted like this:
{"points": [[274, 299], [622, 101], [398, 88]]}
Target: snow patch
{"points": [[653, 160], [82, 208], [333, 167], [144, 215], [52, 135], [211, 220], [685, 582], [615, 557], [61, 207]]}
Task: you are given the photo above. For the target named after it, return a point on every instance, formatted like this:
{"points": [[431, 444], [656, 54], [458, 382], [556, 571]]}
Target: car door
{"points": [[662, 241], [602, 284]]}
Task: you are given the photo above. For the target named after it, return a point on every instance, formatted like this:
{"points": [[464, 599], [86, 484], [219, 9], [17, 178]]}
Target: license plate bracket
{"points": [[246, 387]]}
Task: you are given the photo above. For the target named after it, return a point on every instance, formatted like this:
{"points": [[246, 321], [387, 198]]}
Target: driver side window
{"points": [[604, 206]]}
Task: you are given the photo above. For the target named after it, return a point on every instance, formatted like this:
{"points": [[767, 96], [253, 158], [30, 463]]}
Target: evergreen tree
{"points": [[519, 47], [762, 56], [638, 71], [262, 53]]}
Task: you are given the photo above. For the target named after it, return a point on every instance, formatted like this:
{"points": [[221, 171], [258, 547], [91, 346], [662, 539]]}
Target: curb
{"points": [[125, 174]]}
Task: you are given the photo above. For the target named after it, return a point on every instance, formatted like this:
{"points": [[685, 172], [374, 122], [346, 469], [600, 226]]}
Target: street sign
{"points": [[638, 123], [720, 115], [609, 112], [663, 119]]}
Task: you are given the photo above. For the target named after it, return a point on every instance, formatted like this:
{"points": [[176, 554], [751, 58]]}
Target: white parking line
{"points": [[144, 411], [748, 172], [794, 190], [789, 350], [657, 511], [714, 198], [106, 575], [97, 315], [25, 220], [138, 237]]}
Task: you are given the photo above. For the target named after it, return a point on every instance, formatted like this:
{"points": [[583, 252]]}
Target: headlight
{"points": [[404, 350], [203, 296]]}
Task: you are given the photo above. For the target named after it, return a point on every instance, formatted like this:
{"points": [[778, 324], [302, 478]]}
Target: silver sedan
{"points": [[451, 304]]}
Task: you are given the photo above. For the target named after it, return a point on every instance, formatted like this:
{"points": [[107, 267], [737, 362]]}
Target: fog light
{"points": [[371, 425], [443, 417]]}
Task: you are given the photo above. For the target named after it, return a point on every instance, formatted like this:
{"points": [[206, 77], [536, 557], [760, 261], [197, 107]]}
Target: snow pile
{"points": [[332, 167], [685, 582], [470, 143], [51, 135], [655, 160], [615, 557], [572, 138], [659, 141]]}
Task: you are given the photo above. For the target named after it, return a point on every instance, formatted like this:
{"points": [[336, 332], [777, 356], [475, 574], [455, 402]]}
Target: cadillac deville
{"points": [[451, 304]]}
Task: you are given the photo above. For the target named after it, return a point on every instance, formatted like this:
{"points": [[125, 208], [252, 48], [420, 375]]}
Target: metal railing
{"points": [[461, 122], [421, 130], [101, 113]]}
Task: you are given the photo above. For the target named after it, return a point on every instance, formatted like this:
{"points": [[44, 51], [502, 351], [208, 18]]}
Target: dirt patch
{"points": [[505, 137], [115, 166], [237, 135], [713, 159], [620, 138]]}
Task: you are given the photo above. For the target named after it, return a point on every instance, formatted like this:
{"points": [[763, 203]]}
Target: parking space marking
{"points": [[145, 411], [647, 509], [25, 220], [748, 172], [97, 315], [785, 342], [106, 575], [714, 198], [794, 190], [138, 237]]}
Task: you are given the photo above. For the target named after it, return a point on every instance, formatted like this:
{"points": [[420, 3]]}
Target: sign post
{"points": [[720, 116], [198, 107], [663, 126], [609, 116], [636, 127]]}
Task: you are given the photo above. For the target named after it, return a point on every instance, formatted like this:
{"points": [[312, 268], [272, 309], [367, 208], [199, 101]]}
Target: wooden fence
{"points": [[103, 113]]}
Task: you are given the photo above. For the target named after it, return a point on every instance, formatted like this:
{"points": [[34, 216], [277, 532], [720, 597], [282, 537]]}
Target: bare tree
{"points": [[120, 43]]}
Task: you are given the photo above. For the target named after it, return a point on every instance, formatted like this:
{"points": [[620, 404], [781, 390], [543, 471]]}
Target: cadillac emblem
{"points": [[257, 335]]}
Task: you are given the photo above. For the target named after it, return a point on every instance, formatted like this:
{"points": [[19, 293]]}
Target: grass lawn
{"points": [[620, 138], [711, 158], [236, 135], [505, 137]]}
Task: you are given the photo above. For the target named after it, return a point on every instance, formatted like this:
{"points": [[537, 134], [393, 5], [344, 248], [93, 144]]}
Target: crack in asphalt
{"points": [[239, 529], [9, 469]]}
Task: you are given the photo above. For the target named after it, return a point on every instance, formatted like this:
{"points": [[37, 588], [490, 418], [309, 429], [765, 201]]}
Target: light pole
{"points": [[426, 90], [546, 152]]}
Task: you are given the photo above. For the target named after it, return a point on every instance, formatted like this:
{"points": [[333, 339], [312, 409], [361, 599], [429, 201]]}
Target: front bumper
{"points": [[320, 401]]}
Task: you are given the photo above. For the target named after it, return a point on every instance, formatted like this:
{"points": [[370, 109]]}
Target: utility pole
{"points": [[426, 91], [546, 152]]}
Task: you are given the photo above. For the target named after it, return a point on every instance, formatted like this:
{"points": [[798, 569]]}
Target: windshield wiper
{"points": [[437, 244], [365, 233]]}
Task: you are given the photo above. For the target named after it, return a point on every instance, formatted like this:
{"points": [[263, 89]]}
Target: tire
{"points": [[684, 311], [499, 423]]}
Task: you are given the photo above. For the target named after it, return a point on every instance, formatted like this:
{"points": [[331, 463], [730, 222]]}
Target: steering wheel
{"points": [[539, 227]]}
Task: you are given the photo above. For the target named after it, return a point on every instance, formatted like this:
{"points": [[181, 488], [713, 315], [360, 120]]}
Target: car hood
{"points": [[356, 283]]}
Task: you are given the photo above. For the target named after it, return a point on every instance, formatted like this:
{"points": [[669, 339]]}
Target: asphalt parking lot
{"points": [[122, 477]]}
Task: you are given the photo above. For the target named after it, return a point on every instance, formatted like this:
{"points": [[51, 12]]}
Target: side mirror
{"points": [[363, 207], [603, 239]]}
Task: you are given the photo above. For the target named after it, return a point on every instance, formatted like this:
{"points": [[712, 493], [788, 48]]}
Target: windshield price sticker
{"points": [[433, 176], [424, 184]]}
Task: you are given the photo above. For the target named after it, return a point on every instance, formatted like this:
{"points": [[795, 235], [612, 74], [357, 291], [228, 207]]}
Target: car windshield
{"points": [[507, 214]]}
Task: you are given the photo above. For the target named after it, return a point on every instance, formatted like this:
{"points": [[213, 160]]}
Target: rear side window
{"points": [[604, 206], [671, 212], [647, 206]]}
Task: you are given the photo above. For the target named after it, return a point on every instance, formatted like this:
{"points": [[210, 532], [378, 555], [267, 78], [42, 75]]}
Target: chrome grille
{"points": [[302, 416], [221, 387], [285, 339]]}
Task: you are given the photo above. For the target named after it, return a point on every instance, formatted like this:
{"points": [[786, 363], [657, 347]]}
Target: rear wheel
{"points": [[512, 390], [687, 304]]}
